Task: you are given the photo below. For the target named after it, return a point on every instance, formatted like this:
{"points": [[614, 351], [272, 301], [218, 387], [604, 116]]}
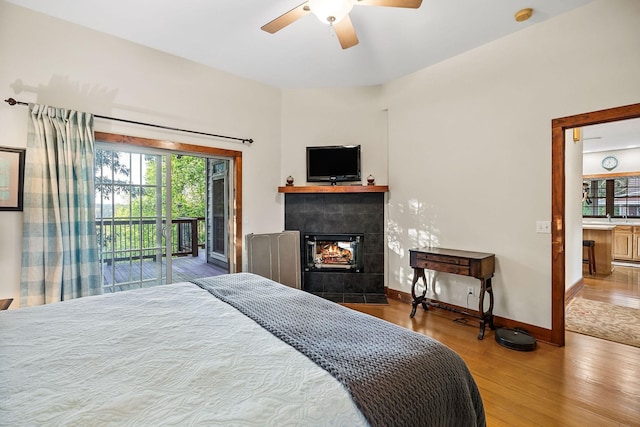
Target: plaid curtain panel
{"points": [[59, 245]]}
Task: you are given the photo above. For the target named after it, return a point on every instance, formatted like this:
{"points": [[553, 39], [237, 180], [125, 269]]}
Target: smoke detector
{"points": [[524, 14]]}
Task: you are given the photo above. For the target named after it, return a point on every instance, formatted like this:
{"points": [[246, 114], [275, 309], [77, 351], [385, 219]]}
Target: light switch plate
{"points": [[543, 227]]}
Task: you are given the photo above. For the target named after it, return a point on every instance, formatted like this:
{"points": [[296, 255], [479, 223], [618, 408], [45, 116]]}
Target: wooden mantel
{"points": [[334, 189]]}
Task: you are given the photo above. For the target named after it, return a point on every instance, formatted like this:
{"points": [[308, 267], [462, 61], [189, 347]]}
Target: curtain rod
{"points": [[12, 101]]}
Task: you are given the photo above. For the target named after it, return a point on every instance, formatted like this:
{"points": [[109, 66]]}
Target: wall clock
{"points": [[609, 163]]}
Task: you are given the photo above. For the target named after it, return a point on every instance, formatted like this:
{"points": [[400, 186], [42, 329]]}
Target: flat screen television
{"points": [[333, 163]]}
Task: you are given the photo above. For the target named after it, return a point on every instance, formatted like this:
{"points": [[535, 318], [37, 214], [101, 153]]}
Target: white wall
{"points": [[334, 117], [573, 210], [49, 61], [628, 161], [470, 145]]}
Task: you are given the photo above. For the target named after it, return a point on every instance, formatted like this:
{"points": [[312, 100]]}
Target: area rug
{"points": [[603, 320]]}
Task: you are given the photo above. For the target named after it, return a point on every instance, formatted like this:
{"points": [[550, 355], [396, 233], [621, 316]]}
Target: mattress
{"points": [[188, 354]]}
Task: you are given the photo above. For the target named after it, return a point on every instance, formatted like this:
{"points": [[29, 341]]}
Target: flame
{"points": [[332, 253]]}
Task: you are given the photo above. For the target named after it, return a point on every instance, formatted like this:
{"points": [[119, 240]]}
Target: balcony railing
{"points": [[124, 239]]}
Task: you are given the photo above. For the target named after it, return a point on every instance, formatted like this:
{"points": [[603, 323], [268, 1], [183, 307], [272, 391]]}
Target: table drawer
{"points": [[442, 259], [444, 267]]}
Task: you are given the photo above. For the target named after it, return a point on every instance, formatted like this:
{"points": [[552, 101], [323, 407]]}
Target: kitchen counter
{"points": [[602, 234], [616, 221], [599, 226]]}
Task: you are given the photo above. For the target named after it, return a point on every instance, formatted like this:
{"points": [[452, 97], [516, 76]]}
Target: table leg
{"points": [[485, 286], [482, 327], [418, 299], [490, 292]]}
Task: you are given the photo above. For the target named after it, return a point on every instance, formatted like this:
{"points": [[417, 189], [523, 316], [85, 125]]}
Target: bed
{"points": [[236, 349]]}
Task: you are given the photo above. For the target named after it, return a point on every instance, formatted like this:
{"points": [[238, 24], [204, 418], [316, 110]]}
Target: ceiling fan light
{"points": [[330, 11]]}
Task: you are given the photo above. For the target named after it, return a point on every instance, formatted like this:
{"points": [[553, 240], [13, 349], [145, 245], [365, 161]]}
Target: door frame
{"points": [[211, 177], [235, 258], [558, 129]]}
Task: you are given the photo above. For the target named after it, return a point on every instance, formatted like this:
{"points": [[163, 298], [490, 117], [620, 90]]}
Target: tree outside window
{"points": [[619, 197]]}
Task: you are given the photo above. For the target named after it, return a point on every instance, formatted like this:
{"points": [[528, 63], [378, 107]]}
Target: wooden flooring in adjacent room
{"points": [[588, 382], [621, 287]]}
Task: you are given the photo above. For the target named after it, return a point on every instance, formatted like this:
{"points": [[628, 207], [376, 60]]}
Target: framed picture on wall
{"points": [[11, 178]]}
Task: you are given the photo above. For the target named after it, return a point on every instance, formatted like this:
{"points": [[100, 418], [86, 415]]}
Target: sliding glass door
{"points": [[161, 217], [132, 207]]}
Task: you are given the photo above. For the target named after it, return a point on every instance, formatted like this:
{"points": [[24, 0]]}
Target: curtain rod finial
{"points": [[250, 141], [11, 101]]}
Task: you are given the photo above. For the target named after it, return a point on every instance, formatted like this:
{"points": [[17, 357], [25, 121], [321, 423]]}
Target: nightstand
{"points": [[5, 303]]}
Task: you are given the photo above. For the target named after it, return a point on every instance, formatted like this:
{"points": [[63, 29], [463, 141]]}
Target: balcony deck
{"points": [[185, 268]]}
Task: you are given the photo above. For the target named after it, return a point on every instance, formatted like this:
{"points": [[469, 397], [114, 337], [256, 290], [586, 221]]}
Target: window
{"points": [[619, 197]]}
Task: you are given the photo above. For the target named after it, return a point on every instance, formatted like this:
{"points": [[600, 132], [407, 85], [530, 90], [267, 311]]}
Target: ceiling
{"points": [[226, 34], [611, 136]]}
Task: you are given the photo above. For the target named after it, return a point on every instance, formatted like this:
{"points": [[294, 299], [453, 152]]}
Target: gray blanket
{"points": [[395, 376]]}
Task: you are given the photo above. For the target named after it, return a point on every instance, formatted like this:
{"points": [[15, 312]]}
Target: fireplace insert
{"points": [[332, 252]]}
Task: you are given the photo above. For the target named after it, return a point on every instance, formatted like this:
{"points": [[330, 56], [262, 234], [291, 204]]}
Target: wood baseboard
{"points": [[537, 332], [398, 295], [572, 290]]}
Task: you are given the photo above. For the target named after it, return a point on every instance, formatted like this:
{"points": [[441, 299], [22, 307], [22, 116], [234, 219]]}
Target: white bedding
{"points": [[169, 355]]}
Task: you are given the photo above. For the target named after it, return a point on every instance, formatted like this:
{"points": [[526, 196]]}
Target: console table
{"points": [[474, 264]]}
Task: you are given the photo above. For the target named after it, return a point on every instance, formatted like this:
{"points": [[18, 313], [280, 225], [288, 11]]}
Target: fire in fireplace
{"points": [[330, 252]]}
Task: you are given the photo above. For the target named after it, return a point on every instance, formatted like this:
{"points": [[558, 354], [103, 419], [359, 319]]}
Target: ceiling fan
{"points": [[334, 13]]}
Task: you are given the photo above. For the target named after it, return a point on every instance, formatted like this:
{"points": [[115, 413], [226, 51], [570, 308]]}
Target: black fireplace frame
{"points": [[356, 241]]}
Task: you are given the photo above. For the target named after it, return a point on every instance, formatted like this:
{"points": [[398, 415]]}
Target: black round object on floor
{"points": [[515, 339]]}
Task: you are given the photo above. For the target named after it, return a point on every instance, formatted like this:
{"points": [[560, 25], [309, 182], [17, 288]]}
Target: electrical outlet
{"points": [[469, 290]]}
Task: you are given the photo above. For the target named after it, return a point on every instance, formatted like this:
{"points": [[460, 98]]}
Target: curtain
{"points": [[59, 244]]}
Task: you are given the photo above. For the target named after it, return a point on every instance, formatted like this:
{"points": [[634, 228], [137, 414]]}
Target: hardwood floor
{"points": [[588, 382], [621, 287]]}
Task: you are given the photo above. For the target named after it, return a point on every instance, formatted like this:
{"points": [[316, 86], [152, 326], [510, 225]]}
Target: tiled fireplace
{"points": [[342, 243]]}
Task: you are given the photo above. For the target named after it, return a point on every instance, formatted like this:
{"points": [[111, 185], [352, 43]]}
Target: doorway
{"points": [[558, 196], [152, 235]]}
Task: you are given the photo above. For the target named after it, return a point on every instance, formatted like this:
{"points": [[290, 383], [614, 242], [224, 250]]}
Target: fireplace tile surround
{"points": [[342, 213]]}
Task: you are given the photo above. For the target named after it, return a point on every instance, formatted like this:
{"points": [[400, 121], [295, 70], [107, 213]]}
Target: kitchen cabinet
{"points": [[623, 242], [636, 243], [626, 243]]}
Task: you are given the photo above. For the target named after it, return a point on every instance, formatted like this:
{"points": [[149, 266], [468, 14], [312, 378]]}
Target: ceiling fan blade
{"points": [[412, 4], [346, 33], [286, 18]]}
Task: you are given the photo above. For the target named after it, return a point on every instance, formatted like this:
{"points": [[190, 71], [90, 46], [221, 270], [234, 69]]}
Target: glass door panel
{"points": [[131, 212], [155, 210]]}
